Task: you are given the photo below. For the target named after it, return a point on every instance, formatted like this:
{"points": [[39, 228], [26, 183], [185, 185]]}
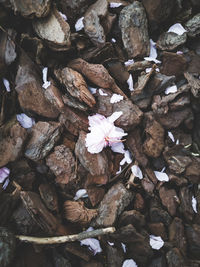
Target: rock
{"points": [[112, 205], [161, 262], [177, 235], [96, 164], [139, 203], [24, 175], [173, 119], [62, 163], [173, 64], [157, 214], [193, 238], [169, 199], [154, 143], [43, 138], [75, 85], [114, 256], [49, 196], [134, 143], [158, 229], [130, 117], [30, 9], [147, 185], [169, 41], [192, 171], [158, 10], [174, 258], [54, 96], [177, 159], [97, 74], [193, 26], [8, 245], [54, 30], [186, 209], [76, 212], [73, 120], [47, 222], [7, 49], [30, 92], [194, 83], [138, 246], [93, 28], [132, 217], [134, 29], [12, 139]]}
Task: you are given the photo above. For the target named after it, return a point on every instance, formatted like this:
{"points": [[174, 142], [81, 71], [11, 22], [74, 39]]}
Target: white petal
{"points": [[113, 40], [130, 82], [79, 24], [115, 98], [194, 204], [96, 119], [6, 184], [126, 159], [63, 16], [25, 121], [153, 50], [6, 84], [92, 90], [110, 243], [129, 62], [152, 59], [177, 142], [177, 28], [120, 169], [46, 85], [171, 136], [179, 53], [93, 244], [118, 147], [137, 171], [81, 193], [156, 242], [115, 5], [129, 263], [101, 92], [147, 70], [163, 169], [115, 116], [171, 89], [4, 173], [123, 247], [161, 176]]}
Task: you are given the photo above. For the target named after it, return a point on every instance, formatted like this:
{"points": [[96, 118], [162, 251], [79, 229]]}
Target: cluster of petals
{"points": [[104, 133]]}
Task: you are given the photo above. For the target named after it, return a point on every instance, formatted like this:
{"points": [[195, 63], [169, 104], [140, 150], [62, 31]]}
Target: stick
{"points": [[66, 238]]}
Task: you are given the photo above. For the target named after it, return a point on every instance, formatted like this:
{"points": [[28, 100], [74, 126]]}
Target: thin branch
{"points": [[66, 238]]}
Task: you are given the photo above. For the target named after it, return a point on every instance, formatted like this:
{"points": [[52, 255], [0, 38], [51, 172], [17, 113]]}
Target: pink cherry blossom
{"points": [[104, 133]]}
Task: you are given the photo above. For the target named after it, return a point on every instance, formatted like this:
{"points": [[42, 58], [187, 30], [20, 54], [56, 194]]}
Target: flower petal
{"points": [[161, 176], [156, 242], [171, 89], [101, 92], [114, 116], [129, 263], [194, 204], [137, 171], [115, 5], [115, 98], [6, 84], [4, 173], [177, 28], [81, 193], [25, 121], [118, 147], [171, 136], [79, 24], [130, 82]]}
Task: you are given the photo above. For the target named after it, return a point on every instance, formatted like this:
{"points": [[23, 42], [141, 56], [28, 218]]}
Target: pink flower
{"points": [[104, 133]]}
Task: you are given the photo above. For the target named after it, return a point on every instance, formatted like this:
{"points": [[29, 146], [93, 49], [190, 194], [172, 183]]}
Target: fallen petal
{"points": [[118, 147], [6, 184], [92, 90], [81, 193], [79, 24], [127, 158], [130, 82], [63, 16], [153, 50], [156, 242], [123, 247], [4, 173], [92, 243], [6, 84], [101, 92], [161, 176], [137, 171], [177, 28], [129, 263], [115, 116], [171, 136], [129, 62], [25, 121], [115, 5], [194, 204], [171, 89], [152, 59], [115, 98]]}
